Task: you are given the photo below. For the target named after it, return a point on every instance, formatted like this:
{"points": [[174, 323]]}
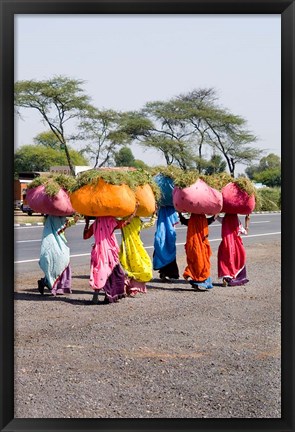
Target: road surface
{"points": [[264, 228]]}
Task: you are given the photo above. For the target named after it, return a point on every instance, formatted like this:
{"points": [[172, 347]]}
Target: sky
{"points": [[128, 60]]}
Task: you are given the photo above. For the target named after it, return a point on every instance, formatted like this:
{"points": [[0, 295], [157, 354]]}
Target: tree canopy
{"points": [[41, 158], [181, 127], [267, 171], [58, 100], [186, 129]]}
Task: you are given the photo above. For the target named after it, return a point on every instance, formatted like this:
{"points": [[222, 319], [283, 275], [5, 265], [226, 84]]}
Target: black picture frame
{"points": [[8, 9]]}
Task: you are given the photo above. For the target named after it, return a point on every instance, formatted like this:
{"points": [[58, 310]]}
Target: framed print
{"points": [[125, 84]]}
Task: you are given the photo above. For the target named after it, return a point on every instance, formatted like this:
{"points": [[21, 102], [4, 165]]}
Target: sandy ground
{"points": [[171, 353]]}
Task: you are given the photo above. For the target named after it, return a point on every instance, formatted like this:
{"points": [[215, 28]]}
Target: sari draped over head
{"points": [[105, 259], [133, 256], [165, 237], [55, 254], [231, 251], [198, 250]]}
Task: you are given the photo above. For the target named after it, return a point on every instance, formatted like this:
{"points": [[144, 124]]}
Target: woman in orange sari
{"points": [[198, 251]]}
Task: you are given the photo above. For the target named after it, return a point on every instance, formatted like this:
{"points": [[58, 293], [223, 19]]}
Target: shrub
{"points": [[269, 199]]}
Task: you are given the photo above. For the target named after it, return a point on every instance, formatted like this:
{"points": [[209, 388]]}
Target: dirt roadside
{"points": [[171, 353]]}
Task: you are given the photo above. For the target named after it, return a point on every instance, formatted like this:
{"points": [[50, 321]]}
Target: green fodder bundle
{"points": [[239, 196], [53, 183], [114, 192], [49, 194]]}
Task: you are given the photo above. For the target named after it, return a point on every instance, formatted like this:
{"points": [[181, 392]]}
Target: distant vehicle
{"points": [[18, 204], [25, 208]]}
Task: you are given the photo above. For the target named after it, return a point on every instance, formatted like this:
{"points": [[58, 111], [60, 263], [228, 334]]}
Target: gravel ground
{"points": [[171, 353]]}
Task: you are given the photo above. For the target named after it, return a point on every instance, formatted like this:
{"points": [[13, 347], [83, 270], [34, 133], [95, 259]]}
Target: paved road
{"points": [[264, 228]]}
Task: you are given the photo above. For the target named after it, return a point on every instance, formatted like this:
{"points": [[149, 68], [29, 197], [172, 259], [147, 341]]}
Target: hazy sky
{"points": [[128, 60]]}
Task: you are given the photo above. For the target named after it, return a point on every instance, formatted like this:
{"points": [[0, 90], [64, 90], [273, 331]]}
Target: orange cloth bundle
{"points": [[104, 199], [146, 199], [41, 202], [199, 198], [237, 201]]}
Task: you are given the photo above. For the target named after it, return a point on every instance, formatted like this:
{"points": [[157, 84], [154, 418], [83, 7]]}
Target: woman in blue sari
{"points": [[55, 255], [164, 258]]}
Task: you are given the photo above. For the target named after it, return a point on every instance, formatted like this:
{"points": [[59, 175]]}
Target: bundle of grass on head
{"points": [[49, 194], [114, 192]]}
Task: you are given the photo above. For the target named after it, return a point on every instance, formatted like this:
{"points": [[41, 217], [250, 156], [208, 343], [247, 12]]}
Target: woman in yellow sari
{"points": [[134, 258]]}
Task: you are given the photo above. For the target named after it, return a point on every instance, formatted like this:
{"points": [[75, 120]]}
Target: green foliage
{"points": [[269, 199], [271, 161], [57, 100], [103, 131], [170, 171], [139, 164], [267, 172], [245, 185], [53, 183], [215, 165], [47, 139], [40, 158], [269, 177], [217, 181], [124, 157]]}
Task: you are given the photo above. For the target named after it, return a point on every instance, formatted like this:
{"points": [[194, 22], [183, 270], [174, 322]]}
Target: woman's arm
{"points": [[183, 220], [124, 222], [69, 222], [247, 220], [88, 230], [151, 222]]}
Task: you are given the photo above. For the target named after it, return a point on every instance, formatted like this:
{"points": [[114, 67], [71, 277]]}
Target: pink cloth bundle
{"points": [[237, 201], [40, 202], [199, 198]]}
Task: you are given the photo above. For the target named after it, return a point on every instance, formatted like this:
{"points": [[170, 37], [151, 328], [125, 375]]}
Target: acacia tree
{"points": [[193, 107], [58, 100], [181, 127], [227, 134], [159, 126], [102, 129], [217, 127]]}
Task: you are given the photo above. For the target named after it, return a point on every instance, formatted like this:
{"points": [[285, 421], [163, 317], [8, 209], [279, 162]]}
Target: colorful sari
{"points": [[105, 270], [134, 258], [55, 256], [231, 252], [198, 252], [164, 258]]}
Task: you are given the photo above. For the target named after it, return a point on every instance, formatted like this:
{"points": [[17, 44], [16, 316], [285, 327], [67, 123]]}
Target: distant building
{"points": [[66, 170]]}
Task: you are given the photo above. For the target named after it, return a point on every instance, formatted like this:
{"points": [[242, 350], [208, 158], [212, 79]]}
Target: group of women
{"points": [[123, 270]]}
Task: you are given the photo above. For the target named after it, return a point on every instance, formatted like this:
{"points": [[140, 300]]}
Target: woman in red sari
{"points": [[231, 251]]}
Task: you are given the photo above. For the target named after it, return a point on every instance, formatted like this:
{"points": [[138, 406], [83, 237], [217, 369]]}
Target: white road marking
{"points": [[118, 233], [151, 247]]}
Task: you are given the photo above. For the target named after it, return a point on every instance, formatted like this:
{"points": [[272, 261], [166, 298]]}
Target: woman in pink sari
{"points": [[231, 251], [106, 272]]}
